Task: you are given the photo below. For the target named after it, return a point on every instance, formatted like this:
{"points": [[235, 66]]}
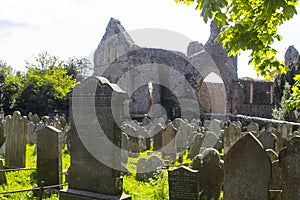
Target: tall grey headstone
{"points": [[96, 109], [169, 142], [247, 170], [48, 164], [15, 148], [289, 161]]}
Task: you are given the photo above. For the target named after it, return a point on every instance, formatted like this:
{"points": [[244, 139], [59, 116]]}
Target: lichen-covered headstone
{"points": [[15, 148], [231, 134], [247, 170], [96, 110]]}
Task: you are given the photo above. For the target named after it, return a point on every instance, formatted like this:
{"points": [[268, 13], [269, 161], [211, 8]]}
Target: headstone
{"points": [[48, 164], [210, 169], [147, 139], [154, 163], [183, 184], [142, 143], [3, 179], [181, 136], [269, 140], [141, 169], [215, 126], [275, 181], [56, 123], [272, 155], [157, 137], [253, 127], [134, 145], [231, 134], [169, 143], [96, 107], [247, 170], [16, 130], [289, 161], [2, 135], [31, 133], [36, 119], [30, 116], [124, 147], [46, 120], [210, 140], [195, 146]]}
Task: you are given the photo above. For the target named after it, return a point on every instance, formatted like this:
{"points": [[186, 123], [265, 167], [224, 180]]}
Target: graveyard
{"points": [[149, 125]]}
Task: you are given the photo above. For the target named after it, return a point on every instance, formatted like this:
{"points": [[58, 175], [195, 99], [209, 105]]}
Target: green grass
{"points": [[151, 189], [20, 180]]}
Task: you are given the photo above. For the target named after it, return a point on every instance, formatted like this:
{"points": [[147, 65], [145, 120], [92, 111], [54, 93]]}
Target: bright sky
{"points": [[68, 28]]}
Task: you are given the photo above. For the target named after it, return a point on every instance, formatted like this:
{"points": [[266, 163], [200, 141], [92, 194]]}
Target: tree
{"points": [[250, 25], [46, 85], [76, 67], [10, 86]]}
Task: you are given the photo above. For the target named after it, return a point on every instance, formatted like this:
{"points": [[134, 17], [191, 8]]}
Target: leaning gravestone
{"points": [[96, 107], [169, 143], [183, 184], [210, 169], [49, 156], [231, 134], [195, 146], [289, 161], [247, 170], [15, 147]]}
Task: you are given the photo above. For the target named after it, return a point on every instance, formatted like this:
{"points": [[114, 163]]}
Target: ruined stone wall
{"points": [[176, 74], [257, 98]]}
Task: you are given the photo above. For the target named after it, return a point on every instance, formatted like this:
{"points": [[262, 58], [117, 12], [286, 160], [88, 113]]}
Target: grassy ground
{"points": [[20, 180], [139, 190]]}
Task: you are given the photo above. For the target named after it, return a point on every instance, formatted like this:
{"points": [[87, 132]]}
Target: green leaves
{"points": [[249, 25]]}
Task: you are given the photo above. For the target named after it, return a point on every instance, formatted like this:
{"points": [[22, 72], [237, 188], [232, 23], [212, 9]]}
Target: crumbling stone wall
{"points": [[118, 59], [257, 98]]}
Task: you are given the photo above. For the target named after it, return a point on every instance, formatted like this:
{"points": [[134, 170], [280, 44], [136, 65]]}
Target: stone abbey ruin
{"points": [[171, 153], [119, 59]]}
